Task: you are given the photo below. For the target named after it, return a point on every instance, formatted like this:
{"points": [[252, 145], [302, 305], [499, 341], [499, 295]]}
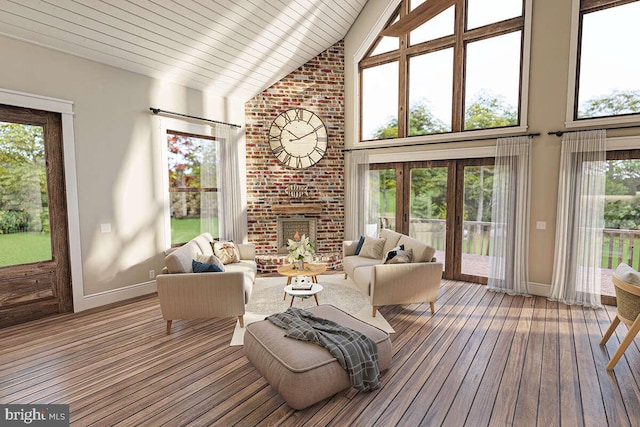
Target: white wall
{"points": [[118, 150]]}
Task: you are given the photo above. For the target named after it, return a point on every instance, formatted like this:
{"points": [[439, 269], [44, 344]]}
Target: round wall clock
{"points": [[298, 138]]}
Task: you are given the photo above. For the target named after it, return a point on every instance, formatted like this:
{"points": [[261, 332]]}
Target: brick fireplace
{"points": [[317, 86]]}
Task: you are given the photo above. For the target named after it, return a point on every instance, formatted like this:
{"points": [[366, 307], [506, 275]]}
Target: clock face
{"points": [[298, 138]]}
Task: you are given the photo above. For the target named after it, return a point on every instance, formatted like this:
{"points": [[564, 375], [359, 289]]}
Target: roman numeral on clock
{"points": [[287, 158], [278, 150]]}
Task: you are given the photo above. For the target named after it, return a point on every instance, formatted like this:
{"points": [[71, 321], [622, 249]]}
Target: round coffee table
{"points": [[315, 288], [310, 269]]}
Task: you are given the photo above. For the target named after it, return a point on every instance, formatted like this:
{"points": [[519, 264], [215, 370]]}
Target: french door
{"points": [[35, 274], [446, 203]]}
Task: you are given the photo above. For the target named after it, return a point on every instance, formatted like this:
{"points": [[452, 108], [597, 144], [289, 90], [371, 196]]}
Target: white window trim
{"points": [[65, 108], [165, 124], [570, 123], [623, 143], [524, 101], [375, 30]]}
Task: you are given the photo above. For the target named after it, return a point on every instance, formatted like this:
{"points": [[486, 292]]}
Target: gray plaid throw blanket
{"points": [[356, 352]]}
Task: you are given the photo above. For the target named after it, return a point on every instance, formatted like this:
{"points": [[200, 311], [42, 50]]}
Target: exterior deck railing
{"points": [[476, 234], [619, 245]]}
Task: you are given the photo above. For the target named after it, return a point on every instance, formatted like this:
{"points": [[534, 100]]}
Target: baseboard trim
{"points": [[116, 295], [539, 289]]}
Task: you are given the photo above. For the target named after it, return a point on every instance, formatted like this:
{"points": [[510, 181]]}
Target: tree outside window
{"points": [[445, 77], [608, 68], [24, 206], [193, 185]]}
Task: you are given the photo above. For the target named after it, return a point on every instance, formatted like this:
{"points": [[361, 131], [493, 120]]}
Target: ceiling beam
{"points": [[417, 17]]}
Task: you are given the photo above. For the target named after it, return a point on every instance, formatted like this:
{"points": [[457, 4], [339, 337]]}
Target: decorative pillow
{"points": [[392, 253], [359, 247], [372, 247], [210, 259], [402, 257], [200, 267], [627, 274], [227, 252]]}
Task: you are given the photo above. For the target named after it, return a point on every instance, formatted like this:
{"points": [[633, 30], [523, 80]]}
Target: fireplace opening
{"points": [[287, 228]]}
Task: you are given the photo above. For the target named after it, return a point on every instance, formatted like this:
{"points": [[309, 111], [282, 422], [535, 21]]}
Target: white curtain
{"points": [[580, 219], [356, 193], [232, 214], [508, 262], [208, 179]]}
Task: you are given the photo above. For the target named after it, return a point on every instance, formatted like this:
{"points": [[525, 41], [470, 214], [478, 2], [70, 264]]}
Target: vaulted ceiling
{"points": [[231, 48]]}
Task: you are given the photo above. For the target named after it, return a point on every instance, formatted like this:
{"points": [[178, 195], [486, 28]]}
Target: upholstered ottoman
{"points": [[301, 372]]}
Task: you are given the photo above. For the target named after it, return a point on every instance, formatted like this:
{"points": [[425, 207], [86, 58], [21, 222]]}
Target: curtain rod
{"points": [[158, 111], [434, 143], [562, 132]]}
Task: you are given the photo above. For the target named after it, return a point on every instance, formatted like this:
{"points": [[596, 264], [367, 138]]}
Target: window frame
{"points": [[571, 120], [201, 190], [170, 125], [458, 42]]}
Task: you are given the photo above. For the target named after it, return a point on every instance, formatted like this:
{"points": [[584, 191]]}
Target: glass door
{"points": [[446, 204], [473, 231], [427, 213], [385, 198], [35, 275], [621, 232]]}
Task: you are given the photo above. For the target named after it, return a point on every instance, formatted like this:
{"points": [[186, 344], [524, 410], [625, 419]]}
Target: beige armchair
{"points": [[187, 295], [393, 284]]}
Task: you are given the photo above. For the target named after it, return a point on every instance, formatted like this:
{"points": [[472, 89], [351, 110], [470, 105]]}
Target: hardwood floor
{"points": [[482, 359]]}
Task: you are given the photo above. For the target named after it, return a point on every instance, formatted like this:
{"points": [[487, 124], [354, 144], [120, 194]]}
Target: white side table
{"points": [[303, 293]]}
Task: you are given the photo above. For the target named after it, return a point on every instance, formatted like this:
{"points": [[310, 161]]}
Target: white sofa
{"points": [[390, 284], [185, 295]]}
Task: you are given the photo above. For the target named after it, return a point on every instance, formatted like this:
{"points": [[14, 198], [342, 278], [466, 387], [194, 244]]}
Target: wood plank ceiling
{"points": [[232, 48]]}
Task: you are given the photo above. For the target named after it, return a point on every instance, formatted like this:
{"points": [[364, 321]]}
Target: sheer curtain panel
{"points": [[233, 215], [356, 193], [208, 180], [580, 219], [508, 261]]}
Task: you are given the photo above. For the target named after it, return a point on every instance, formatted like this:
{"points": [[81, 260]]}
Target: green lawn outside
{"points": [[23, 248], [185, 229]]}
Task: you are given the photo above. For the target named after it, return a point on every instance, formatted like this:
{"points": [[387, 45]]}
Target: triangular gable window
{"points": [[384, 44]]}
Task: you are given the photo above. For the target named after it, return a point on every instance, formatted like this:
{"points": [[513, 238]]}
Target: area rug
{"points": [[267, 299]]}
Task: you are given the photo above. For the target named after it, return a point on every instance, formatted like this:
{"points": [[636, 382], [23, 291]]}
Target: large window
{"points": [[607, 68], [193, 185], [447, 74]]}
